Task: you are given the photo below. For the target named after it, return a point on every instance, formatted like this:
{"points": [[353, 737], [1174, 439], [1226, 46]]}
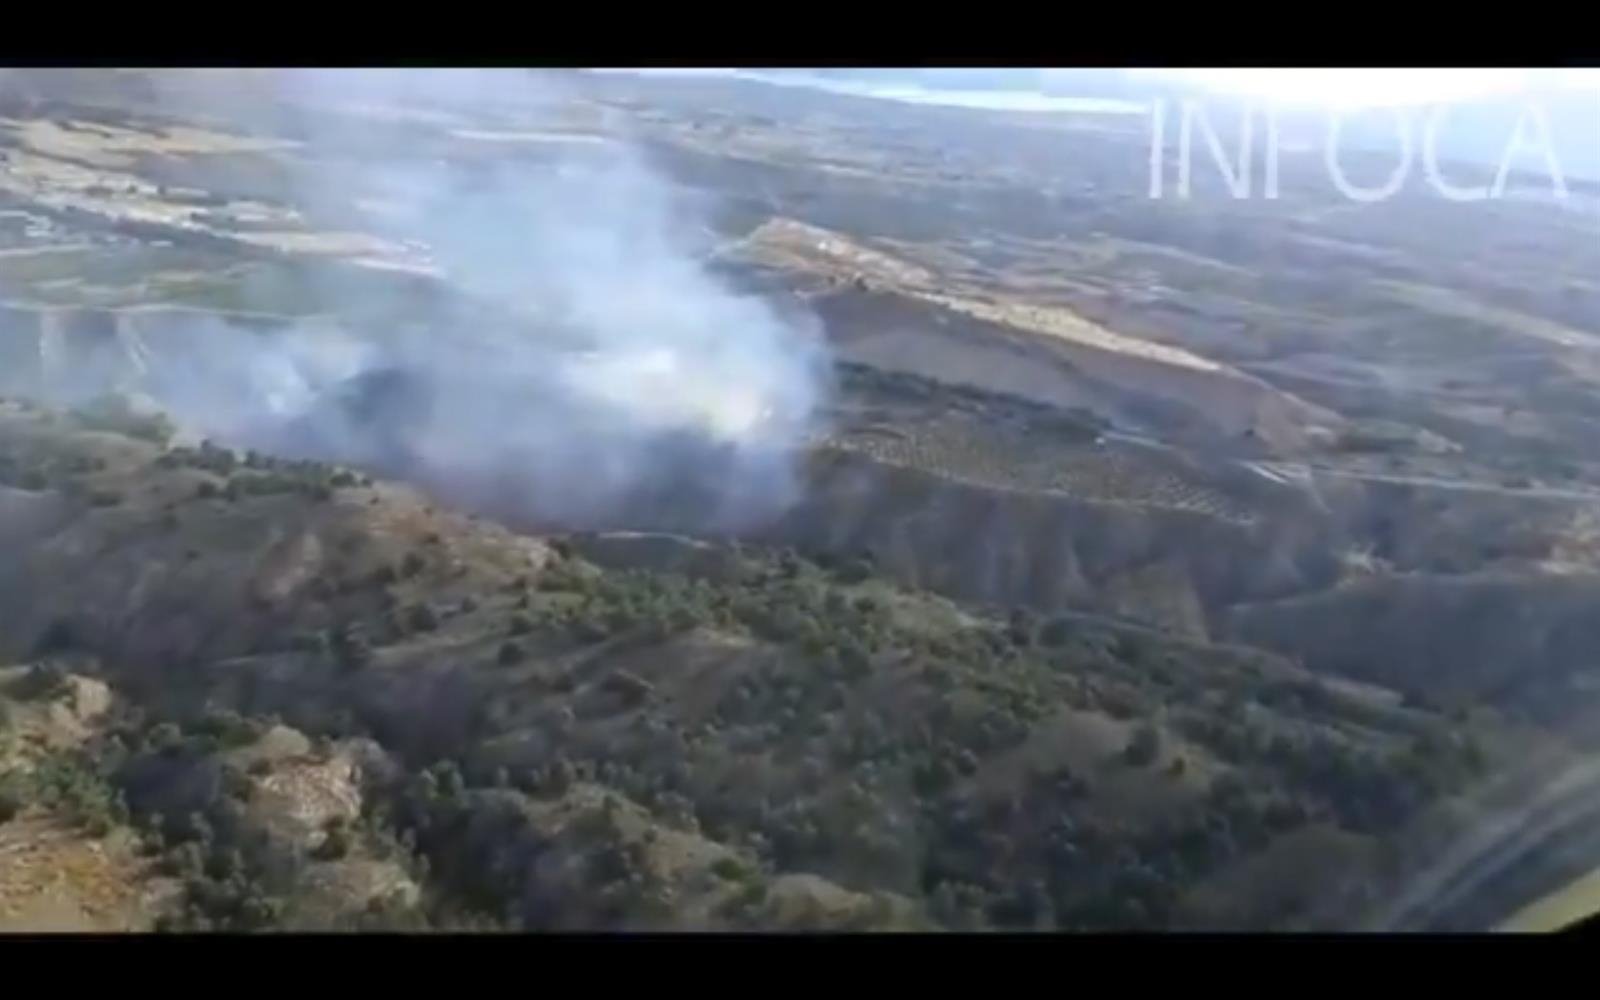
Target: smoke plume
{"points": [[609, 376]]}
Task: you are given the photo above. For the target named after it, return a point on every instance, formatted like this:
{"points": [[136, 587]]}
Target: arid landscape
{"points": [[572, 501]]}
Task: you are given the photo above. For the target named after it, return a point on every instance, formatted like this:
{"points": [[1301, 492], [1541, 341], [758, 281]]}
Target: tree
{"points": [[12, 799], [510, 654], [1020, 628], [422, 618], [350, 647], [1055, 632], [853, 659], [335, 844], [196, 828], [447, 777], [1144, 746], [857, 570], [43, 682]]}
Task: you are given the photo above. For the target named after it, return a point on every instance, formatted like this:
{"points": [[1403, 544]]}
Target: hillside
{"points": [[506, 499], [1520, 641], [743, 739]]}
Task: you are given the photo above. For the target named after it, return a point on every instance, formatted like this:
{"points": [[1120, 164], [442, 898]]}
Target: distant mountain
{"points": [[1476, 131]]}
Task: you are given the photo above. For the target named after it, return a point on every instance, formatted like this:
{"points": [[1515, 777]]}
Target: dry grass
{"points": [[53, 878]]}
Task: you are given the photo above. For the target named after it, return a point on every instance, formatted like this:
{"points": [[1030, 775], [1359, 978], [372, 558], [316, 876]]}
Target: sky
{"points": [[1042, 89], [1483, 103], [1378, 86]]}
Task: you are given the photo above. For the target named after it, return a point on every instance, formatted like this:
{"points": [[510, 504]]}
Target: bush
{"points": [[335, 844], [13, 798], [165, 736], [422, 618], [857, 570], [729, 869], [510, 654], [350, 648], [1056, 632], [1144, 746], [1020, 628], [43, 682]]}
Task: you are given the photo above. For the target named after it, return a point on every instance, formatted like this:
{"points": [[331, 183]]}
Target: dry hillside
{"points": [[664, 736]]}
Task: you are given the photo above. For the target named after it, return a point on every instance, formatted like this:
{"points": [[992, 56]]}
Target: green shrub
{"points": [[730, 869]]}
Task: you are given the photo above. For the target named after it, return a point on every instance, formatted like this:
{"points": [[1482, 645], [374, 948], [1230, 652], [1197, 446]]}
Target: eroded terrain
{"points": [[1141, 552]]}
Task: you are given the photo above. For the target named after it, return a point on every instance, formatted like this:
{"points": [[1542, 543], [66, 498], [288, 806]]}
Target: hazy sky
{"points": [[1375, 86], [1320, 86]]}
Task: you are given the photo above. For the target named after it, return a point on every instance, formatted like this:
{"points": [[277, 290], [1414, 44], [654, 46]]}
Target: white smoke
{"points": [[629, 368]]}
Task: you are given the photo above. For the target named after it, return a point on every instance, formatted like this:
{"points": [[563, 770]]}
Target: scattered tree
{"points": [[1143, 747]]}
